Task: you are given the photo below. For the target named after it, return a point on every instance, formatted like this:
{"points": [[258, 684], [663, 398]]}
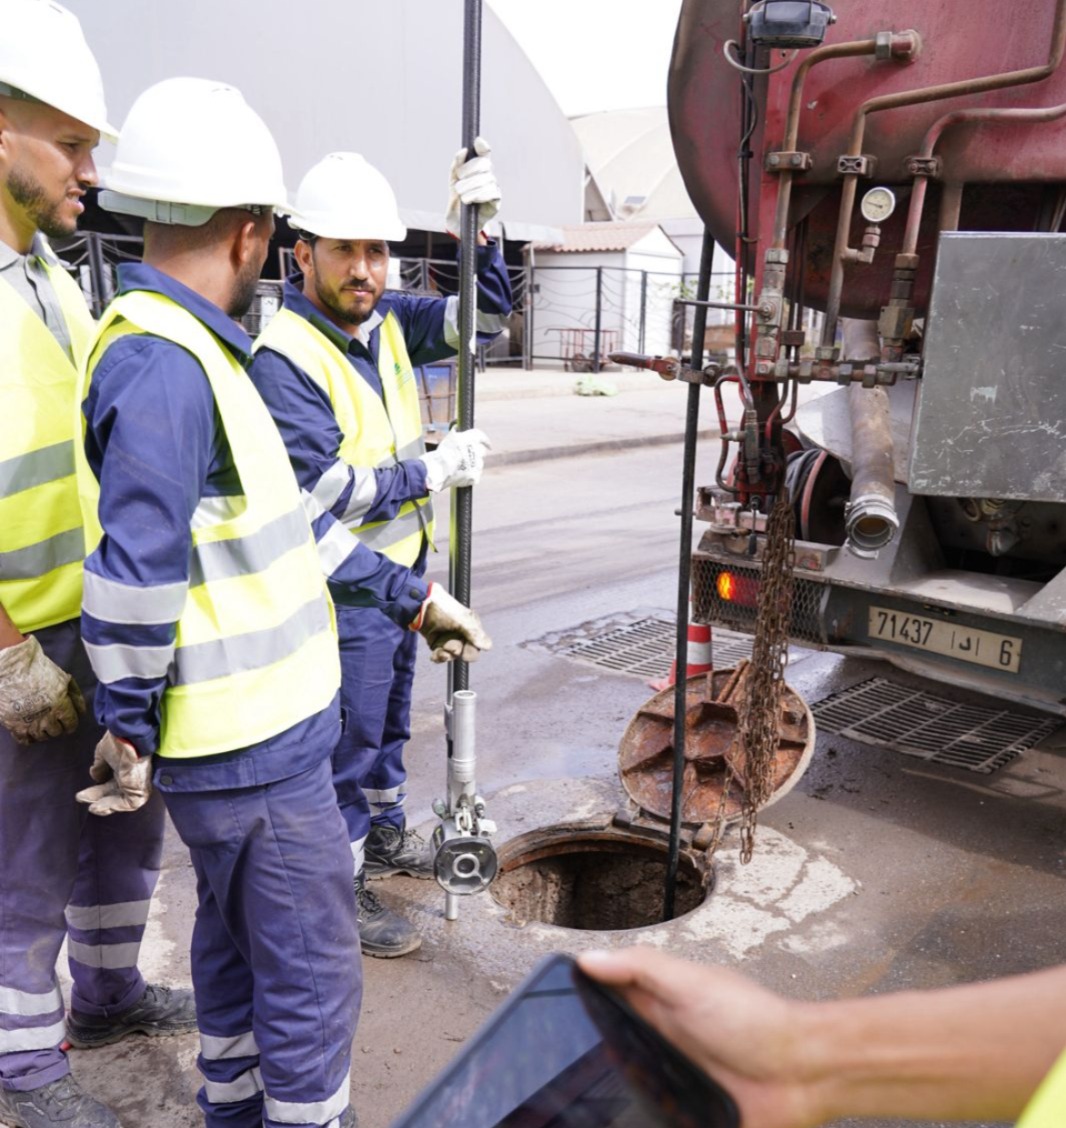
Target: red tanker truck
{"points": [[902, 168]]}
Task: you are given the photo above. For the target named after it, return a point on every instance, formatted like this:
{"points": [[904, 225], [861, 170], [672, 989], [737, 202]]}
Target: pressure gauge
{"points": [[878, 204]]}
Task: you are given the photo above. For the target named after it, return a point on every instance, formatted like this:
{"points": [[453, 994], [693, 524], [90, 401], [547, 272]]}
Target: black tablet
{"points": [[565, 1052]]}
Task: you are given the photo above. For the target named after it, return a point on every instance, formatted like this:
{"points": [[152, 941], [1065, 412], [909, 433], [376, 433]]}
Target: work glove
{"points": [[472, 182], [452, 630], [458, 461], [123, 779], [38, 700]]}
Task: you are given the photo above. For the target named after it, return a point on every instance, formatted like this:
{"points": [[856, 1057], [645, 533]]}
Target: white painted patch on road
{"points": [[782, 886]]}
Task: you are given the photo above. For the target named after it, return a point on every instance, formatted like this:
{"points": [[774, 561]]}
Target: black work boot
{"points": [[159, 1011], [391, 850], [382, 932], [59, 1103]]}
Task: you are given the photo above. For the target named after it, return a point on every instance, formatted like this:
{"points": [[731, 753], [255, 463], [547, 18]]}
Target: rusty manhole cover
{"points": [[712, 756]]}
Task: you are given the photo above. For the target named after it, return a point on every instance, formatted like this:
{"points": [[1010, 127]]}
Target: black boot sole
{"points": [[89, 1041], [380, 953]]}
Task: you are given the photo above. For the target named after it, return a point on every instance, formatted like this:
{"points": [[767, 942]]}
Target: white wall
{"points": [[663, 262], [383, 79], [565, 300]]}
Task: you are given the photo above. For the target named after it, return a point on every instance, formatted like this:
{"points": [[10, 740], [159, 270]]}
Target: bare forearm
{"points": [[976, 1052], [10, 635], [971, 1052]]}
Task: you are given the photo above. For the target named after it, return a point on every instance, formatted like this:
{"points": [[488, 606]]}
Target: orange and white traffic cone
{"points": [[700, 657]]}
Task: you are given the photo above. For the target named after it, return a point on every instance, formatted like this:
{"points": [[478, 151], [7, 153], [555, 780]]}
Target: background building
{"points": [[381, 79]]}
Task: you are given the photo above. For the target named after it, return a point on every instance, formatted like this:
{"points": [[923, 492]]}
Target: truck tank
{"points": [[1013, 171], [907, 178]]}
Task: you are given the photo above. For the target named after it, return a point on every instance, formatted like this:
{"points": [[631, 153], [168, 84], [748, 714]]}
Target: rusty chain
{"points": [[764, 682], [760, 708]]}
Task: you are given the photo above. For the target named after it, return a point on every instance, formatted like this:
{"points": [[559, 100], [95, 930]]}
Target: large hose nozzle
{"points": [[870, 519]]}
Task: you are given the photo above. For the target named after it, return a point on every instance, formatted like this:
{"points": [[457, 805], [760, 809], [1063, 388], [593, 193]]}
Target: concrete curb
{"points": [[512, 457]]}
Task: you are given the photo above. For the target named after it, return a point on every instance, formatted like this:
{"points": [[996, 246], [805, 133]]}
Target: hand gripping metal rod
{"points": [[460, 731], [462, 498]]}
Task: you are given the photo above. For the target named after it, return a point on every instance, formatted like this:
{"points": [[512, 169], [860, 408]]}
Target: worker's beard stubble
{"points": [[30, 195], [244, 287], [346, 313]]}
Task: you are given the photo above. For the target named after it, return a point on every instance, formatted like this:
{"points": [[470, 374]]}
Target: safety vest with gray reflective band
{"points": [[1047, 1109], [41, 540], [376, 433], [256, 649]]}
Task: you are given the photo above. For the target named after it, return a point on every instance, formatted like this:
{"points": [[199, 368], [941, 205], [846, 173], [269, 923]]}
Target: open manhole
{"points": [[595, 880]]}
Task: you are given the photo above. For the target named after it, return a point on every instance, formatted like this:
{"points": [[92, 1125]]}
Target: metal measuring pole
{"points": [[465, 859], [684, 573]]}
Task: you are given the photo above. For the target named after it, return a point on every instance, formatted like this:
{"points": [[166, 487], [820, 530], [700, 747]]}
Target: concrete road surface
{"points": [[877, 872]]}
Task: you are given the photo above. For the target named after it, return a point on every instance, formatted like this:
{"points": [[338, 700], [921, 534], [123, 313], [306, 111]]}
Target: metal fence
{"points": [[572, 316], [578, 315]]}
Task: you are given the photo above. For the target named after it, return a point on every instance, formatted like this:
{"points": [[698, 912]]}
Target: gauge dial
{"points": [[878, 204]]}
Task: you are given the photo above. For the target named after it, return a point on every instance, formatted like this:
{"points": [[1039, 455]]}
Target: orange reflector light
{"points": [[737, 589]]}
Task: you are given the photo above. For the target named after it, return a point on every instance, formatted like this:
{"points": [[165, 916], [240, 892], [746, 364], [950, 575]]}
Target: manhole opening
{"points": [[594, 882]]}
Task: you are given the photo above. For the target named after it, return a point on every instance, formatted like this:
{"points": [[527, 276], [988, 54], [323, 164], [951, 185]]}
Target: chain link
{"points": [[764, 682], [760, 708]]}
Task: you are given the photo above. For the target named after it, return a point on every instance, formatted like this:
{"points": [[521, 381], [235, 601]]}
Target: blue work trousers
{"points": [[65, 872], [377, 673], [275, 950]]}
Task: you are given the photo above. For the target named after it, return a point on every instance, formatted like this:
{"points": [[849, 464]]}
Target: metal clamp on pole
{"points": [[464, 859]]}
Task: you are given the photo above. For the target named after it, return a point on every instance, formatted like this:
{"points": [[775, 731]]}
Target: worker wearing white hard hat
{"points": [[335, 367], [208, 620], [65, 873]]}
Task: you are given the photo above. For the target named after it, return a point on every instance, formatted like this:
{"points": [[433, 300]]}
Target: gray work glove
{"points": [[472, 182], [38, 700], [452, 630], [458, 461], [123, 779]]}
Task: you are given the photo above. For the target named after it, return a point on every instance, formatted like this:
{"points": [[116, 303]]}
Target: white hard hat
{"points": [[345, 197], [43, 54], [189, 147]]}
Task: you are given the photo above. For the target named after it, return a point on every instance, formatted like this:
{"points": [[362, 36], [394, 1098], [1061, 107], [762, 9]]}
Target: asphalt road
{"points": [[877, 872]]}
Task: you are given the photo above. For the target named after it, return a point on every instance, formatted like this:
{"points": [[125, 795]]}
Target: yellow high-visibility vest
{"points": [[41, 541], [376, 433], [1047, 1109], [256, 649]]}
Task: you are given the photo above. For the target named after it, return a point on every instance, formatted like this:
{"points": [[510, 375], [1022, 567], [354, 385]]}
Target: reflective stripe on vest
{"points": [[375, 433], [1047, 1109], [256, 648], [41, 540]]}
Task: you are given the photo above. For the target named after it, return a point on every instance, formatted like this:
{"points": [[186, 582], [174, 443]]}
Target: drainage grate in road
{"points": [[889, 715], [638, 644]]}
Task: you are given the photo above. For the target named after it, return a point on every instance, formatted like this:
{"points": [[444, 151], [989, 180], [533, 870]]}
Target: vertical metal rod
{"points": [[643, 309], [97, 272], [599, 319], [527, 305], [462, 499], [684, 574]]}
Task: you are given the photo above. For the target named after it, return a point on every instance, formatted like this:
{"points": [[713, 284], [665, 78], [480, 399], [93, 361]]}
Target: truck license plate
{"points": [[983, 648]]}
